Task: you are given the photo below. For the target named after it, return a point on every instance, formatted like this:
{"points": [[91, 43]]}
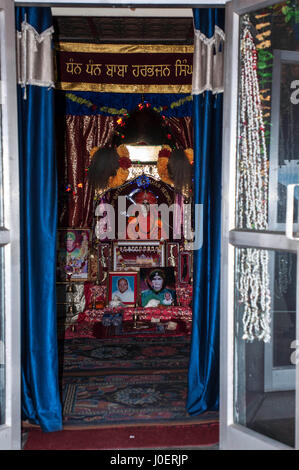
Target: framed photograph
{"points": [[73, 254], [133, 255], [157, 287], [123, 286], [185, 262]]}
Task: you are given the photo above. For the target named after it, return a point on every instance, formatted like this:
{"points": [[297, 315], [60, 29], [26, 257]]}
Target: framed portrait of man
{"points": [[123, 287]]}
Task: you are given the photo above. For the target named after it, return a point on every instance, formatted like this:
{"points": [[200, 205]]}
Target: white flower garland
{"points": [[253, 283]]}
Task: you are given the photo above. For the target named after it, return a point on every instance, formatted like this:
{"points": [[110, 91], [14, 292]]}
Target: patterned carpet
{"points": [[122, 382], [97, 356]]}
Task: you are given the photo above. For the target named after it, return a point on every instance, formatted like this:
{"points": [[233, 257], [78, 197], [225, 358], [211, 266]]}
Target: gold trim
{"points": [[123, 48], [116, 88]]}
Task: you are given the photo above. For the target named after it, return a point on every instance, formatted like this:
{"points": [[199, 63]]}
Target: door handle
{"points": [[290, 211]]}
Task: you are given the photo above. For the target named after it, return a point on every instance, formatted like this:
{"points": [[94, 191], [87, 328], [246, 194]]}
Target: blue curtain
{"points": [[203, 378], [38, 188]]}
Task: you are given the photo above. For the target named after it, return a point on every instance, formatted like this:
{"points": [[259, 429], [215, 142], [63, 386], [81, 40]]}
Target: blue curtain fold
{"points": [[38, 199], [203, 375]]}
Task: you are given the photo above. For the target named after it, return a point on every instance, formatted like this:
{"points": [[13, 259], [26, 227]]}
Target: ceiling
{"points": [[128, 30]]}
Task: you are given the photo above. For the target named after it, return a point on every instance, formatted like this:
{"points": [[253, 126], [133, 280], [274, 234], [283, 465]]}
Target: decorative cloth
{"points": [[166, 313], [78, 297], [92, 292], [35, 64], [208, 62]]}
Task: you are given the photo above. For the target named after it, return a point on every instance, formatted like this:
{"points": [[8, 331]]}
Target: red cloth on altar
{"points": [[89, 322], [165, 313], [94, 292]]}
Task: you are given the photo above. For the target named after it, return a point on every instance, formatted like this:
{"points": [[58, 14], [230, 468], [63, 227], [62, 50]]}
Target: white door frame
{"points": [[10, 432], [231, 436], [234, 436]]}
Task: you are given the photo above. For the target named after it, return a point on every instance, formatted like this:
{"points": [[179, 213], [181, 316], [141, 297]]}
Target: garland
{"points": [[162, 164], [122, 111], [125, 163], [93, 106], [253, 279]]}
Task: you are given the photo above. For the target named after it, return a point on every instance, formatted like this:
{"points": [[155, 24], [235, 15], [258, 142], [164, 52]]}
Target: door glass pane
{"points": [[1, 156], [2, 285], [265, 332], [268, 122], [1, 169], [2, 336]]}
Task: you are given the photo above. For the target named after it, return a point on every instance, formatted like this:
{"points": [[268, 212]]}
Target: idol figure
{"points": [[148, 224]]}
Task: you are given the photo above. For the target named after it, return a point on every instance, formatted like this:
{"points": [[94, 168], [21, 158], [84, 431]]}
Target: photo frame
{"points": [[73, 254], [185, 262], [157, 287], [135, 254], [123, 286]]}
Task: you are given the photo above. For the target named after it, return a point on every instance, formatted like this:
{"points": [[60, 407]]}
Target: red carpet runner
{"points": [[131, 437]]}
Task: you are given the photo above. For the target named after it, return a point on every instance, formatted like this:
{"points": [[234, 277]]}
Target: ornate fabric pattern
{"points": [[208, 60], [112, 399], [171, 352], [35, 64]]}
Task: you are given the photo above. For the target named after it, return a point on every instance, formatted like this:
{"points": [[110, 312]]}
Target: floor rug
{"points": [[119, 399], [82, 356], [120, 394], [132, 437]]}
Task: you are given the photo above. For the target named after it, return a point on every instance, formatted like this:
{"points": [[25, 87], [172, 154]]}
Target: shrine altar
{"points": [[88, 322]]}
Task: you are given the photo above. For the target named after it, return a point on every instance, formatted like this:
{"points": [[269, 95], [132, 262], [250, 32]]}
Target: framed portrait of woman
{"points": [[157, 287]]}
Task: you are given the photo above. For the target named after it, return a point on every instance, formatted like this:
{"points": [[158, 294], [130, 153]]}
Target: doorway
{"points": [[152, 326]]}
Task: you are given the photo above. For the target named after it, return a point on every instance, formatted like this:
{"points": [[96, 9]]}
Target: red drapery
{"points": [[76, 136]]}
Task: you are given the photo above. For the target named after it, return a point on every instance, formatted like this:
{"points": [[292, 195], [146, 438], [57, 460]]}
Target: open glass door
{"points": [[259, 284], [10, 428]]}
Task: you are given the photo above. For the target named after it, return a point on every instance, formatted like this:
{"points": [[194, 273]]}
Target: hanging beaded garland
{"points": [[252, 214]]}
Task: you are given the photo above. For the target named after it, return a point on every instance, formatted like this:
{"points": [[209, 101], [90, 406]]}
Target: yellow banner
{"points": [[124, 68]]}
